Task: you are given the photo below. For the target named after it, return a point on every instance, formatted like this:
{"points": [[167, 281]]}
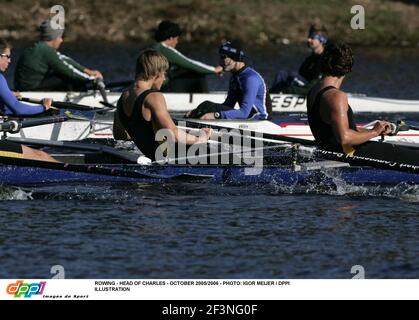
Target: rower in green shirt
{"points": [[42, 67], [185, 74]]}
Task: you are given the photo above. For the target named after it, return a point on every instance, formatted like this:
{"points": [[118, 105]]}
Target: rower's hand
{"points": [[219, 70], [208, 116], [94, 73], [47, 102], [16, 94], [382, 128], [205, 134]]}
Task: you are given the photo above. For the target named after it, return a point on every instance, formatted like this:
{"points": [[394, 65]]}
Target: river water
{"points": [[201, 230]]}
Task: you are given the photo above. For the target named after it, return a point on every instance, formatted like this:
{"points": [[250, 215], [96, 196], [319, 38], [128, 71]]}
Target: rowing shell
{"points": [[183, 102], [321, 173]]}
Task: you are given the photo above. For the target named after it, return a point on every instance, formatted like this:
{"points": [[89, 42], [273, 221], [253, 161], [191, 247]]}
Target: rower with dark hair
{"points": [[309, 73], [247, 88], [185, 74], [332, 121], [10, 106]]}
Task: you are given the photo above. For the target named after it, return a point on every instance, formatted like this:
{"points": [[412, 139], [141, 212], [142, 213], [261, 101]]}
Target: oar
{"points": [[102, 88], [324, 154], [403, 126], [14, 126], [245, 132], [62, 105], [101, 170], [125, 155]]}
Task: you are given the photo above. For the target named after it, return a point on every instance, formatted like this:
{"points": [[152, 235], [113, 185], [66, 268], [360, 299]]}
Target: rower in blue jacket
{"points": [[247, 88], [10, 106]]}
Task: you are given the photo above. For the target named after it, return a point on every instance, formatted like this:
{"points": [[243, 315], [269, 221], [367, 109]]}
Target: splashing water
{"points": [[330, 182], [13, 193]]}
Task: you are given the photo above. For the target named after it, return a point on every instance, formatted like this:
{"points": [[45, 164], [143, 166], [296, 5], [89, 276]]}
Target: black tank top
{"points": [[323, 132], [140, 130]]}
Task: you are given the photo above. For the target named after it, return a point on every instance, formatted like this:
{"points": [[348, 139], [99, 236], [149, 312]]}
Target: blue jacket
{"points": [[248, 89], [10, 106]]}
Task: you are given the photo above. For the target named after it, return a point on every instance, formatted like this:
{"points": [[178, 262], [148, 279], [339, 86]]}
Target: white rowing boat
{"points": [[101, 127], [183, 102]]}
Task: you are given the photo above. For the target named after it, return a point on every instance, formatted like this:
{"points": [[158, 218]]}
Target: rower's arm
{"points": [[71, 61], [337, 104], [250, 88], [13, 107], [162, 120], [176, 58], [64, 68]]}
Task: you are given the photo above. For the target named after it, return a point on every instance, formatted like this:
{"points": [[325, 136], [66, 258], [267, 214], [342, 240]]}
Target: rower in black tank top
{"points": [[325, 137], [140, 130], [322, 131]]}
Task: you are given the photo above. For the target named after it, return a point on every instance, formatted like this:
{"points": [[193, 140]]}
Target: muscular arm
{"points": [[334, 110], [161, 119]]}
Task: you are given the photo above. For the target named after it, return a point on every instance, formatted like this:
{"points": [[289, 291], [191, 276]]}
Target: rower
{"points": [[142, 108], [10, 106], [332, 121], [43, 67], [247, 88], [309, 73], [185, 74]]}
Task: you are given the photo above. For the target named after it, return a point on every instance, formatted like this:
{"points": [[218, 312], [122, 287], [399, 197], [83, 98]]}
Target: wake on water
{"points": [[329, 183], [332, 184], [14, 193]]}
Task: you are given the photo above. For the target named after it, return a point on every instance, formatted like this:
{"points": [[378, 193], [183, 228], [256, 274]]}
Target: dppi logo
{"points": [[27, 290]]}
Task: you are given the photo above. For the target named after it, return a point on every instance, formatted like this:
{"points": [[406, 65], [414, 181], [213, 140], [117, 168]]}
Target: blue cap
{"points": [[233, 51]]}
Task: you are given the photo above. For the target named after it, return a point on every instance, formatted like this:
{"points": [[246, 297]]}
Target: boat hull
{"points": [[21, 175]]}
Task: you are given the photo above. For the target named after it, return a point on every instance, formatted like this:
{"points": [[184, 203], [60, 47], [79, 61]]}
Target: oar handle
{"points": [[14, 126], [62, 105]]}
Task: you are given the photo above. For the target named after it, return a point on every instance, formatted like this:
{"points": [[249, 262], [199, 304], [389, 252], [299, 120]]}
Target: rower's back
{"points": [[323, 131], [141, 131]]}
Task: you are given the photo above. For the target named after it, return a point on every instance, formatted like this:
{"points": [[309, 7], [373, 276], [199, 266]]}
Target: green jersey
{"points": [[40, 62], [180, 64]]}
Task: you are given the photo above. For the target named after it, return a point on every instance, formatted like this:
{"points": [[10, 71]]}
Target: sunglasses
{"points": [[8, 56]]}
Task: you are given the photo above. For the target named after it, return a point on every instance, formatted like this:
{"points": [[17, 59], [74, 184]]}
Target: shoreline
{"points": [[388, 23]]}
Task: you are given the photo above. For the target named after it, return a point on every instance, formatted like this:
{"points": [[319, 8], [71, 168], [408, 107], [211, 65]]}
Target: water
{"points": [[197, 230]]}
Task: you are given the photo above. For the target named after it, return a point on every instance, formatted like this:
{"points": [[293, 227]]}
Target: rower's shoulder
{"points": [[155, 99], [335, 95]]}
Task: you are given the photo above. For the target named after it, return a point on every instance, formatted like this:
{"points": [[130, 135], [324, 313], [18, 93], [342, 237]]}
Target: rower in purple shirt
{"points": [[9, 104], [247, 88]]}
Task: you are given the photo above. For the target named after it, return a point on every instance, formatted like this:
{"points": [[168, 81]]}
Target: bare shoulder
{"points": [[335, 99], [155, 101]]}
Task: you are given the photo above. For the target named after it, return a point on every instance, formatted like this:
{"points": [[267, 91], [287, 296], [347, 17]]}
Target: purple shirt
{"points": [[10, 106]]}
